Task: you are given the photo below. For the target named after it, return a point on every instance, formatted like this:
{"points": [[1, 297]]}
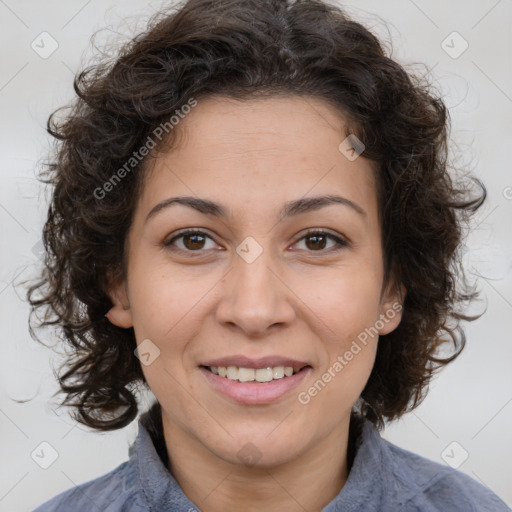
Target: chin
{"points": [[261, 452]]}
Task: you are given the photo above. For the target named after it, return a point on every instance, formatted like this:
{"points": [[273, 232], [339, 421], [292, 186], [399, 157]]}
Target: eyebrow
{"points": [[290, 209]]}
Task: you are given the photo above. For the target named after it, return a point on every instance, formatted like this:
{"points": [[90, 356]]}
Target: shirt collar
{"points": [[363, 486], [363, 489]]}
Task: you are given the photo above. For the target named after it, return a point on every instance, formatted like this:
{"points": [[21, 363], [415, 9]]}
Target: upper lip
{"points": [[262, 362]]}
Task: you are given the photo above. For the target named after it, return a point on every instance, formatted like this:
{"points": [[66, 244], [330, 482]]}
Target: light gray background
{"points": [[470, 402]]}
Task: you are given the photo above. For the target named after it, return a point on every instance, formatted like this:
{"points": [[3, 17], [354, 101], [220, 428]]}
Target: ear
{"points": [[120, 313], [391, 307]]}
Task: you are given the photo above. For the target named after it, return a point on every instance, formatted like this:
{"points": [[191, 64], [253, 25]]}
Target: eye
{"points": [[318, 240], [194, 240], [191, 240]]}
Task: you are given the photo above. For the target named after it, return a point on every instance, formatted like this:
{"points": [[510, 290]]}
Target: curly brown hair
{"points": [[242, 49]]}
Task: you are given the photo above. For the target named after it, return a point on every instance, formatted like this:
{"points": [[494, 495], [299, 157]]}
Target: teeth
{"points": [[232, 372], [278, 372], [263, 375], [246, 374], [250, 374]]}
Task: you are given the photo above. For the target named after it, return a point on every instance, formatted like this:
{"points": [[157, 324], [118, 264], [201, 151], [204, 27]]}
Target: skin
{"points": [[299, 298]]}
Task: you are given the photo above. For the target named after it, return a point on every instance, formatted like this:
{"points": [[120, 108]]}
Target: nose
{"points": [[255, 297]]}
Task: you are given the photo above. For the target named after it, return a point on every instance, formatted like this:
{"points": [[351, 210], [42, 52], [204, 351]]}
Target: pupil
{"points": [[317, 237], [195, 244]]}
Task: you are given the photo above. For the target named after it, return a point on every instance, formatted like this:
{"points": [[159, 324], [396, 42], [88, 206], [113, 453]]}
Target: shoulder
{"points": [[421, 484], [120, 490], [116, 491]]}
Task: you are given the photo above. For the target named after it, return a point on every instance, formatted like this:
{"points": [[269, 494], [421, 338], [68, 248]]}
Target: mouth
{"points": [[256, 375], [254, 386]]}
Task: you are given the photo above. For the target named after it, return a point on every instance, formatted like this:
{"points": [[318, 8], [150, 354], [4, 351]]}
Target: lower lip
{"points": [[253, 393]]}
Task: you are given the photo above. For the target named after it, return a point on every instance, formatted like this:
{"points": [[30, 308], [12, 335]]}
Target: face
{"points": [[256, 279]]}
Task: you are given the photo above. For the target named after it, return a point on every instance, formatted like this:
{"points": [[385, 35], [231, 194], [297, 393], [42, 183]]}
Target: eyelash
{"points": [[341, 244]]}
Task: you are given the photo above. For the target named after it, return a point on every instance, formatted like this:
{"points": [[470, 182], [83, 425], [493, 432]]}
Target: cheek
{"points": [[169, 309], [348, 308], [347, 302], [161, 300]]}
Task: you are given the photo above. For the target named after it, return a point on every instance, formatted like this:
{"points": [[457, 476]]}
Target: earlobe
{"points": [[120, 313], [391, 310]]}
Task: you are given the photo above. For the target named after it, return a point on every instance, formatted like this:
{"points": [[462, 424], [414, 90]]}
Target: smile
{"points": [[253, 386], [253, 374]]}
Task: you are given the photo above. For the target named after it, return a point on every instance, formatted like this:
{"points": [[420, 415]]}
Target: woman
{"points": [[252, 215]]}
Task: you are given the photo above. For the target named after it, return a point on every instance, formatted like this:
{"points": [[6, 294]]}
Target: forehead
{"points": [[259, 152]]}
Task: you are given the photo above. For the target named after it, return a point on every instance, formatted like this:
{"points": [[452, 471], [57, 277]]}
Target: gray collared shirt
{"points": [[383, 478]]}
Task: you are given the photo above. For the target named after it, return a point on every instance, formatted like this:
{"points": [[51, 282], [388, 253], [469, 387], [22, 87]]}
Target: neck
{"points": [[308, 482]]}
